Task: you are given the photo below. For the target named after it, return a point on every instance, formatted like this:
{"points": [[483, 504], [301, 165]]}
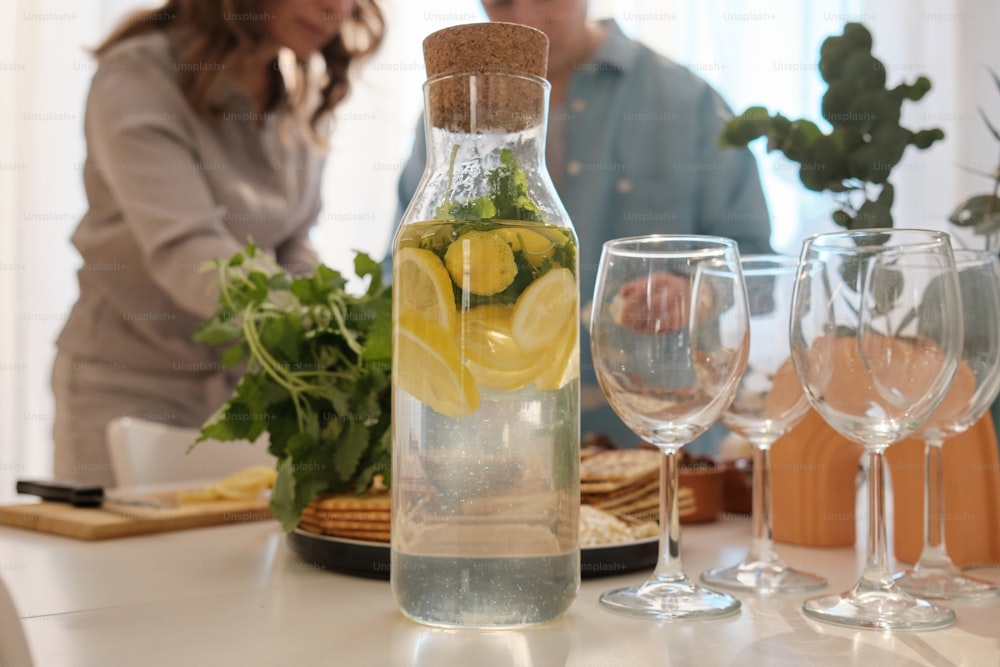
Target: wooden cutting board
{"points": [[111, 521]]}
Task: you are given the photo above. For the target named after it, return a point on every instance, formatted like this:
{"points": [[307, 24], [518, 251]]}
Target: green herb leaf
{"points": [[352, 443], [507, 199]]}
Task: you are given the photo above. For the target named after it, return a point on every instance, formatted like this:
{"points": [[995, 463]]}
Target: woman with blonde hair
{"points": [[205, 125]]}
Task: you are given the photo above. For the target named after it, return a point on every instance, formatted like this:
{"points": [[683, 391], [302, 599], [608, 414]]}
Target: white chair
{"points": [[149, 453], [13, 644]]}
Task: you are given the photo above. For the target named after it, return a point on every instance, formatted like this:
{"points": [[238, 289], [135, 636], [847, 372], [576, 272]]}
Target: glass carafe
{"points": [[485, 477]]}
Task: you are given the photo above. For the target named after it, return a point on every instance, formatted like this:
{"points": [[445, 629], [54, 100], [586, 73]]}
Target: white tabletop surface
{"points": [[237, 595]]}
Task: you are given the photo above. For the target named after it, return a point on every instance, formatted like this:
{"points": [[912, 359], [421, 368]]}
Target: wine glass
{"points": [[669, 340], [876, 352], [768, 404], [976, 384]]}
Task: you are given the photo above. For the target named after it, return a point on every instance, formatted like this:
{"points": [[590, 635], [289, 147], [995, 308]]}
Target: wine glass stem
{"points": [[934, 553], [876, 573], [762, 545], [669, 567]]}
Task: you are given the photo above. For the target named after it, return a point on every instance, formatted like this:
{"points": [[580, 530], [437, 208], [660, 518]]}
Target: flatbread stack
{"points": [[364, 517], [626, 483], [599, 528]]}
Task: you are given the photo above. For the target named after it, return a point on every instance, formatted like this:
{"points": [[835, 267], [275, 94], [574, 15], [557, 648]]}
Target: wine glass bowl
{"points": [[769, 402], [935, 576], [669, 339], [876, 350]]}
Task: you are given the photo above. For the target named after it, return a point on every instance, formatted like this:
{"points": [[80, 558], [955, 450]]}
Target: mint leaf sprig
{"points": [[317, 370], [507, 198]]}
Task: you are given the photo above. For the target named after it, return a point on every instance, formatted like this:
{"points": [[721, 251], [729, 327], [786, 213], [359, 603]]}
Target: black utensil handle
{"points": [[78, 495]]}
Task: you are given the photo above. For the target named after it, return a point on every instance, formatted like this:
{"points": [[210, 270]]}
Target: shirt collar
{"points": [[617, 49]]}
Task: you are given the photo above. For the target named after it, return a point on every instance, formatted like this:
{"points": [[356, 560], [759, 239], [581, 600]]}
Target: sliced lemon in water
{"points": [[423, 287], [481, 263], [428, 365], [491, 353], [544, 308], [565, 362], [535, 246]]}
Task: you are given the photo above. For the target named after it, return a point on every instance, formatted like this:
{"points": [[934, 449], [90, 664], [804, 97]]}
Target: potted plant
{"points": [[866, 141]]}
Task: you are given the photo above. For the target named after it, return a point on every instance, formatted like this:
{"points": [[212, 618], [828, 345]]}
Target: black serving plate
{"points": [[605, 561], [371, 559]]}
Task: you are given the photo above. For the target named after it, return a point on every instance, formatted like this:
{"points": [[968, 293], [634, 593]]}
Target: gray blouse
{"points": [[167, 190]]}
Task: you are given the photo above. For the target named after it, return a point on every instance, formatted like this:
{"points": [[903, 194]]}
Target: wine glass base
{"points": [[763, 577], [881, 610], [670, 600], [945, 584]]}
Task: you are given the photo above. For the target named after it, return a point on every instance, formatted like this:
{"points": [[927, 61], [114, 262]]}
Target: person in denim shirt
{"points": [[632, 150]]}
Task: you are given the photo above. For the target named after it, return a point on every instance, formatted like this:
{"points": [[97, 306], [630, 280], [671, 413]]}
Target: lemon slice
{"points": [[427, 365], [245, 484], [565, 364], [536, 247], [481, 263], [544, 307], [491, 353], [423, 287]]}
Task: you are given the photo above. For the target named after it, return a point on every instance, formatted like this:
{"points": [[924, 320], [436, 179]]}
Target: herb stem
{"points": [[270, 366]]}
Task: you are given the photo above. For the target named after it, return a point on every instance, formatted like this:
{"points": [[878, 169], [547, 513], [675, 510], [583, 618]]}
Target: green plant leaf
{"points": [[863, 70], [975, 211], [753, 123], [918, 88], [874, 109], [877, 213], [832, 53], [925, 138], [234, 355], [842, 218], [218, 430], [351, 445], [837, 101], [366, 267], [282, 502], [218, 330], [777, 133], [801, 135], [857, 36]]}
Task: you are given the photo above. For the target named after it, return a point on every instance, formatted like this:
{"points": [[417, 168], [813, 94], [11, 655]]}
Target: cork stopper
{"points": [[467, 90], [487, 47]]}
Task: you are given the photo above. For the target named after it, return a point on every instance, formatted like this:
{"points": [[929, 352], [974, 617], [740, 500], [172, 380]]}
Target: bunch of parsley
{"points": [[317, 374]]}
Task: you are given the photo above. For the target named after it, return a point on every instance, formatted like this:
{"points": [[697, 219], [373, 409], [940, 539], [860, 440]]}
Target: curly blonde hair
{"points": [[225, 32]]}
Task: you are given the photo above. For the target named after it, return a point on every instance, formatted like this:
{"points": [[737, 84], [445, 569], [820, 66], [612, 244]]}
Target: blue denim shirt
{"points": [[640, 157]]}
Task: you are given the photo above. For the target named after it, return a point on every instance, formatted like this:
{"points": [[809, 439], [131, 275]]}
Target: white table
{"points": [[236, 595]]}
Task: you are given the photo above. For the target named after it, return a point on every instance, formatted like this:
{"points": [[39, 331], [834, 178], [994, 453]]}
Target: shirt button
{"points": [[574, 168], [578, 105], [624, 185]]}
